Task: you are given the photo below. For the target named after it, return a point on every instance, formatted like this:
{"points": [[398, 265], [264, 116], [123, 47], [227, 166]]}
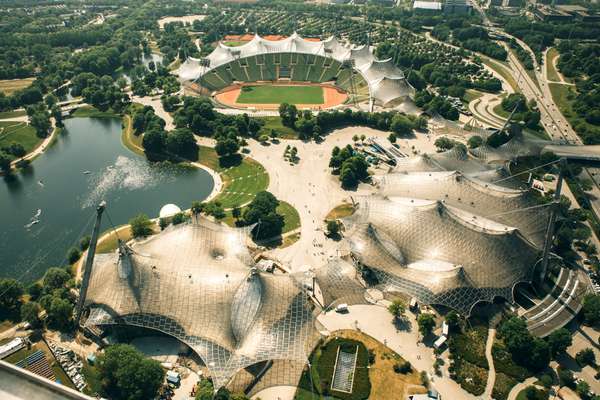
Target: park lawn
{"points": [[341, 211], [563, 96], [234, 43], [502, 71], [550, 70], [277, 94], [132, 141], [385, 383], [12, 114], [111, 243], [18, 132], [283, 132], [93, 112], [471, 94], [290, 216], [9, 86], [242, 177]]}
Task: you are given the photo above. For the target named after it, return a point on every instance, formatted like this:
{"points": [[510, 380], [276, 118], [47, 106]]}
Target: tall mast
{"points": [[89, 261], [552, 220]]}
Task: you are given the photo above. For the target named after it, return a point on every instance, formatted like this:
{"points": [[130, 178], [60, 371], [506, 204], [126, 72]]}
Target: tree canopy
{"points": [[126, 374]]}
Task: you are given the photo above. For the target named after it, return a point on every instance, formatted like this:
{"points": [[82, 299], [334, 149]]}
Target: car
{"points": [[341, 308]]}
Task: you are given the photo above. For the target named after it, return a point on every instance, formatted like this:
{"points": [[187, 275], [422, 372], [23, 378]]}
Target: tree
{"points": [[11, 291], [236, 213], [397, 309], [30, 313], [443, 143], [426, 323], [533, 393], [141, 226], [126, 374], [183, 143], [41, 123], [355, 138], [583, 389], [196, 207], [60, 313], [227, 147], [333, 227], [586, 357], [591, 309], [288, 114], [559, 341], [55, 278], [401, 125], [474, 142], [73, 255], [154, 141], [452, 319], [5, 161], [263, 210], [84, 242]]}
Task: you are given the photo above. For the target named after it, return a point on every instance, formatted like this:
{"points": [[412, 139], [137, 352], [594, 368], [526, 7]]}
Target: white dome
{"points": [[168, 210]]}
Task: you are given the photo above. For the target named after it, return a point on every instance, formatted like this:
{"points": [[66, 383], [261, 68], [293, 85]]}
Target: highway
{"points": [[550, 116]]}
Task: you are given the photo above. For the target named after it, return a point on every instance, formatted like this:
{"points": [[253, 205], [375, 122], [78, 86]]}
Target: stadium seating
{"points": [[253, 70], [316, 70], [330, 72], [285, 59], [237, 72], [299, 72], [212, 81]]}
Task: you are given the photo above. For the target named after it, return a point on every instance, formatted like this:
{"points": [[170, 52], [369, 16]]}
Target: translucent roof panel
{"points": [[196, 282], [438, 253], [511, 207]]}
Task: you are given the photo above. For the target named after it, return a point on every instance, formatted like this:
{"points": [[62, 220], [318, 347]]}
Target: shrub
{"points": [[402, 367], [585, 357], [141, 226], [73, 255]]}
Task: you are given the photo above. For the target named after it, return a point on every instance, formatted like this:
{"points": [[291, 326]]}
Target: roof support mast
{"points": [[552, 220], [89, 261]]}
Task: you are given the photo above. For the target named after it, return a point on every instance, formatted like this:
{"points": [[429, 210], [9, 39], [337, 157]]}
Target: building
{"points": [[427, 7], [550, 14], [457, 7], [430, 395], [197, 283]]}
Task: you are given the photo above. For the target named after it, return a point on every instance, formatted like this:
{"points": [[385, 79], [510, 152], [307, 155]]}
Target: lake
{"points": [[87, 164]]}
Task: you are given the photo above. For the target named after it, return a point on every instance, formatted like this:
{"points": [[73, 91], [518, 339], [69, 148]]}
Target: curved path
{"points": [[514, 392], [489, 387], [40, 148]]}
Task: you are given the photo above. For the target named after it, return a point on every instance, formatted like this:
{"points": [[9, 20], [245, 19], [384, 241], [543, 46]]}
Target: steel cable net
{"points": [[336, 282], [512, 207], [438, 253], [458, 159], [196, 282], [520, 145]]}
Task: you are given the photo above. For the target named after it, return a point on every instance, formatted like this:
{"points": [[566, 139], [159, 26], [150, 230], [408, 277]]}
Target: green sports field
{"points": [[281, 94]]}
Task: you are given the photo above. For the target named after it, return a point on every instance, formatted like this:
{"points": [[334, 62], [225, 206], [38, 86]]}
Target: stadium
{"points": [[262, 74]]}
